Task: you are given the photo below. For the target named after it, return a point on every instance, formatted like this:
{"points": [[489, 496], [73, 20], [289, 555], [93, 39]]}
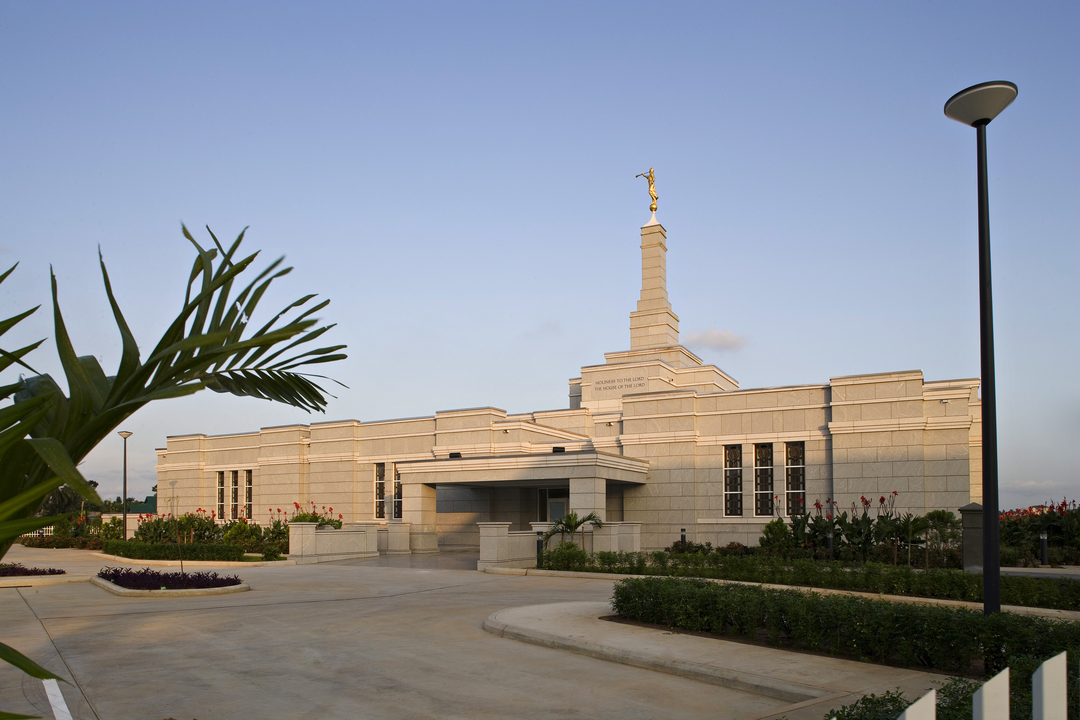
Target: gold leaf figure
{"points": [[651, 177]]}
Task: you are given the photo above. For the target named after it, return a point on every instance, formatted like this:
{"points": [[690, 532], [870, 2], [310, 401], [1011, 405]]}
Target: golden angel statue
{"points": [[651, 177]]}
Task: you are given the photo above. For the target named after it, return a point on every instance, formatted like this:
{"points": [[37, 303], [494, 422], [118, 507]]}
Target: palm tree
{"points": [[44, 433], [570, 523]]}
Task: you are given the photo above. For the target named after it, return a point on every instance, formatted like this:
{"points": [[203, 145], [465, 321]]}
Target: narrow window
{"points": [[221, 494], [380, 491], [796, 478], [397, 495], [247, 494], [733, 480], [235, 504], [763, 480]]}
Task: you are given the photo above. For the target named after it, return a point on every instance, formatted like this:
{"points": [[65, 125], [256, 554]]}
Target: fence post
{"points": [[991, 701], [925, 708], [1048, 690]]}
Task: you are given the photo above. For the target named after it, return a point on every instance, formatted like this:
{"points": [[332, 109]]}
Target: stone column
{"points": [[397, 538], [418, 509], [588, 495]]}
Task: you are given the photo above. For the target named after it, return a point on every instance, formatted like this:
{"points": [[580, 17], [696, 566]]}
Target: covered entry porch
{"points": [[444, 499]]}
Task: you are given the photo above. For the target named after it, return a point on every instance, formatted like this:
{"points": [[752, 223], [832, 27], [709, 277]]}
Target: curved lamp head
{"points": [[979, 104], [124, 434]]}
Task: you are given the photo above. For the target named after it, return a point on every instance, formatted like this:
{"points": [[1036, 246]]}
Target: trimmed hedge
{"points": [[1059, 593], [148, 579], [172, 551], [950, 640], [57, 543]]}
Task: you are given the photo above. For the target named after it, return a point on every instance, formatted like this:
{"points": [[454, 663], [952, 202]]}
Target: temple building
{"points": [[653, 439]]}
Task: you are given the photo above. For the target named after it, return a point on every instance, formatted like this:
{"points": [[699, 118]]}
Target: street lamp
{"points": [[123, 498], [977, 106]]}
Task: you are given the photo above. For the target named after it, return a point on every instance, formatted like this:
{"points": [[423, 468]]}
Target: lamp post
{"points": [[976, 106], [123, 498]]}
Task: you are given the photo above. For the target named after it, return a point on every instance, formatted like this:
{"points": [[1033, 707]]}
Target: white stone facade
{"points": [[653, 436]]}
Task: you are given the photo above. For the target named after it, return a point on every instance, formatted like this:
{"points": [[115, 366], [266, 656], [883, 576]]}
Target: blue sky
{"points": [[459, 180]]}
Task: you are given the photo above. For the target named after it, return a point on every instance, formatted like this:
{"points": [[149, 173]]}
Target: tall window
{"points": [[380, 491], [221, 494], [796, 478], [763, 480], [247, 494], [397, 495], [235, 504], [733, 480]]}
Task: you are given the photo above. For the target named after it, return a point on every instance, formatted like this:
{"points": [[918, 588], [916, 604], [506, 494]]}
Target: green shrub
{"points": [[953, 703], [113, 530], [197, 527], [171, 551], [943, 639], [1059, 593], [271, 553], [58, 543], [566, 556], [776, 538]]}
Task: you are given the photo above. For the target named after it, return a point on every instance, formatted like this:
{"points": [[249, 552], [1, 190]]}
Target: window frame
{"points": [[733, 478], [763, 475]]}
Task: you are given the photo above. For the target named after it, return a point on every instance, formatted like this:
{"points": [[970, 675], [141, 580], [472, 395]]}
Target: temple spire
{"points": [[653, 324]]}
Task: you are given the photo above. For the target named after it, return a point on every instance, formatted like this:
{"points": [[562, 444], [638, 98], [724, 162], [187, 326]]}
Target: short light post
{"points": [[123, 498], [682, 538], [1044, 554], [540, 549], [829, 537], [976, 106]]}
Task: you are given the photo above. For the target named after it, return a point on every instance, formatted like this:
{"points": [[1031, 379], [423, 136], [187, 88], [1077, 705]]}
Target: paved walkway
{"points": [[373, 639]]}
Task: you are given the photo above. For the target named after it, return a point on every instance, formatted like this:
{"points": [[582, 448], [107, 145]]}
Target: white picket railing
{"points": [[40, 532], [991, 701]]}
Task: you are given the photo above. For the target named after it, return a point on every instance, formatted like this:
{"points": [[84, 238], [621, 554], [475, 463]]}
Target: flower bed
{"points": [[172, 551], [19, 570], [148, 579]]}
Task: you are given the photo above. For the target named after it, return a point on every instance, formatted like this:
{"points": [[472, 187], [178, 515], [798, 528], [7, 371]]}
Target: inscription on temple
{"points": [[626, 383]]}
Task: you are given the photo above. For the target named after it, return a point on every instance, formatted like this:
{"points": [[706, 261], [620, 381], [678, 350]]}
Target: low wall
{"points": [[309, 543], [501, 548]]}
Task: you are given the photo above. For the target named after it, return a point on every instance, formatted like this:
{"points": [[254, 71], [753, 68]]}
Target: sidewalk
{"points": [[812, 684]]}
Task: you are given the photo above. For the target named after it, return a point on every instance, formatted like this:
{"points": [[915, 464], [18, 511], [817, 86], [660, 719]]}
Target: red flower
{"points": [[895, 493], [339, 516], [882, 501]]}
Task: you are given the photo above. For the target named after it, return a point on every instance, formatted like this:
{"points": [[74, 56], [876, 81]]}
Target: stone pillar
{"points": [[397, 538], [971, 517], [418, 510], [606, 538], [371, 534], [588, 495], [302, 542], [653, 324], [494, 543], [629, 537]]}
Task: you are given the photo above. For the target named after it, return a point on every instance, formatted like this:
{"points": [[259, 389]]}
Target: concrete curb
{"points": [[36, 580], [193, 563], [125, 592], [1049, 613], [758, 684]]}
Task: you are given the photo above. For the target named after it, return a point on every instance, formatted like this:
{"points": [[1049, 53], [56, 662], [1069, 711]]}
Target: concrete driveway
{"points": [[352, 639]]}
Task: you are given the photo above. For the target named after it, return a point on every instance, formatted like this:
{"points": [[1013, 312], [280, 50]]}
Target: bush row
{"points": [[1059, 593], [59, 542], [950, 640], [148, 579], [166, 551]]}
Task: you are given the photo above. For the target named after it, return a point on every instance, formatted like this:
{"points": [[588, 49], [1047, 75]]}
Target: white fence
{"points": [[40, 532], [991, 702]]}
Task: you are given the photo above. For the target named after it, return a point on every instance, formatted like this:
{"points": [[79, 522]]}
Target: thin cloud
{"points": [[719, 340]]}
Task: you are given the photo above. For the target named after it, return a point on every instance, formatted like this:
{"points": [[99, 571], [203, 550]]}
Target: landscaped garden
{"points": [[191, 536], [876, 550], [147, 579], [933, 638]]}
